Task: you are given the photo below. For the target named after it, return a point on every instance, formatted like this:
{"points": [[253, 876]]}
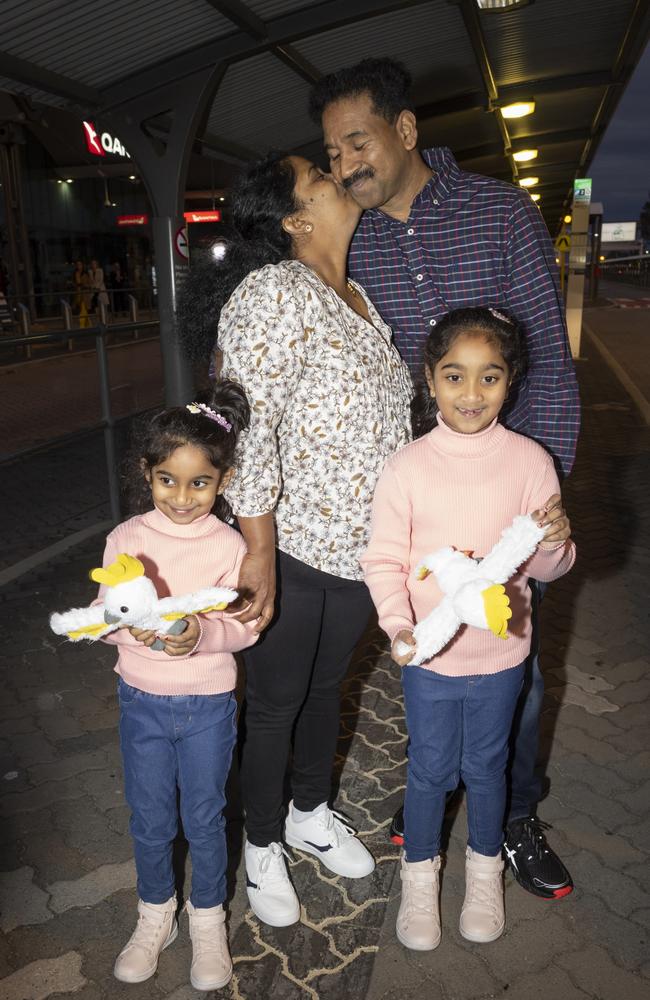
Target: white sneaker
{"points": [[211, 962], [326, 835], [418, 920], [156, 928], [482, 918], [270, 893]]}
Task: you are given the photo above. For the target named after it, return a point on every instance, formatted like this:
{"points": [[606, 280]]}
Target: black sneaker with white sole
{"points": [[535, 866]]}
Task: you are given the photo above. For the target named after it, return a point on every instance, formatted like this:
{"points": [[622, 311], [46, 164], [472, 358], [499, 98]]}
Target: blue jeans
{"points": [[524, 784], [170, 743], [458, 728]]}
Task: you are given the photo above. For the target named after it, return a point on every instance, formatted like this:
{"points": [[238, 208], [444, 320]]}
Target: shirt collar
{"points": [[446, 176]]}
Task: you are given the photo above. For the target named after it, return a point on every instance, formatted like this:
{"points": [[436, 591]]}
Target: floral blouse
{"points": [[330, 399]]}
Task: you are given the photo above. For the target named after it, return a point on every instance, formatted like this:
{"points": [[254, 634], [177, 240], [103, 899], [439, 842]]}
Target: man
{"points": [[434, 238]]}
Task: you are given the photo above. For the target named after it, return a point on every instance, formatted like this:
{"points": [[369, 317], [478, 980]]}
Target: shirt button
{"points": [[419, 277], [435, 201], [432, 322], [410, 231]]}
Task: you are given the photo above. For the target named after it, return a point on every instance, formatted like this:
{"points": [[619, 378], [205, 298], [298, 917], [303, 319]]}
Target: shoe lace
{"points": [[336, 825], [146, 933], [272, 868], [484, 890], [206, 936], [532, 840]]}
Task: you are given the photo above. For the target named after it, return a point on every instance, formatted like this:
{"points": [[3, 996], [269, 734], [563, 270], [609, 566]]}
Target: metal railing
{"points": [[633, 271], [99, 333]]}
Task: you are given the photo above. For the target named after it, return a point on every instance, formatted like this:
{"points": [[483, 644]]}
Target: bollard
{"points": [[66, 309], [133, 314], [23, 319]]}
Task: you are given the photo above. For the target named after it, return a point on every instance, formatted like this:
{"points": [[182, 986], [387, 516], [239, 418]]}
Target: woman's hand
{"points": [[405, 635], [553, 517], [256, 584]]}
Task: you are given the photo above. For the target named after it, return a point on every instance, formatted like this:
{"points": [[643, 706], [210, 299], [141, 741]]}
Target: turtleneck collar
{"points": [[451, 442], [195, 529]]}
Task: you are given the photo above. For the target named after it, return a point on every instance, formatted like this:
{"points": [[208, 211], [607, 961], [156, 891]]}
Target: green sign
{"points": [[582, 191]]}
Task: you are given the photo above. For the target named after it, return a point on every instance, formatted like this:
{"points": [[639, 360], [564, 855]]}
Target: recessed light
{"points": [[501, 4], [535, 197], [69, 180], [518, 109], [567, 219], [524, 155], [528, 182], [132, 177]]}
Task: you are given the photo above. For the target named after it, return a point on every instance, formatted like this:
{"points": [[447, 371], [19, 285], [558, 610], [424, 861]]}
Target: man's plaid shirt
{"points": [[475, 241]]}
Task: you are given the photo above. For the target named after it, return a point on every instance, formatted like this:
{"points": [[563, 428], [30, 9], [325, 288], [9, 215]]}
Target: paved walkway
{"points": [[67, 880]]}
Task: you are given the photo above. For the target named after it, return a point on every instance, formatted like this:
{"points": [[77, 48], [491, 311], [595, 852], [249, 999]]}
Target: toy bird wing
{"points": [[81, 623], [518, 541], [198, 603]]}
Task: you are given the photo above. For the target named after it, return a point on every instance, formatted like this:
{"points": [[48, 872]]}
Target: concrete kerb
{"points": [[636, 394], [32, 562]]}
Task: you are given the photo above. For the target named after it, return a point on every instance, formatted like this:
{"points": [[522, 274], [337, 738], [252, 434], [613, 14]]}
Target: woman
{"points": [[97, 286], [330, 402]]}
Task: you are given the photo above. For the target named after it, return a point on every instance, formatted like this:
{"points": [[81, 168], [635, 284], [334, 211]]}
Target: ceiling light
{"points": [[518, 109], [59, 181], [132, 177], [602, 256], [218, 251], [524, 155], [69, 180], [222, 198], [528, 182], [501, 4], [567, 219], [535, 197]]}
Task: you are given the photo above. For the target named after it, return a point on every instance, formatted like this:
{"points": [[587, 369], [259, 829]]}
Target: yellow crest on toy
{"points": [[124, 568]]}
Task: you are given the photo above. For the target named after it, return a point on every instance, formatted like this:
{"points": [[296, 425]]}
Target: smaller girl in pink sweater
{"points": [[177, 706], [460, 484]]}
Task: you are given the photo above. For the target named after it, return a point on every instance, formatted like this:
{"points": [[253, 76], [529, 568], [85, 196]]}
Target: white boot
{"points": [[211, 963], [482, 918], [270, 892], [156, 928], [418, 920]]}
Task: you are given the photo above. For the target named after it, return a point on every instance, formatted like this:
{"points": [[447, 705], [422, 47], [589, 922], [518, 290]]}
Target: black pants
{"points": [[293, 679]]}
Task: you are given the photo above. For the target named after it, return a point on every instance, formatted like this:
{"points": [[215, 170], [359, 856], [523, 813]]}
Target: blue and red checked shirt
{"points": [[475, 241]]}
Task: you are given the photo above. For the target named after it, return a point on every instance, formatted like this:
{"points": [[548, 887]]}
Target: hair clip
{"points": [[499, 315], [210, 414]]}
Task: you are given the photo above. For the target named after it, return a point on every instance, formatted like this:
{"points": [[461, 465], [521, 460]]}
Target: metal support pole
{"points": [[25, 326], [109, 425], [133, 314], [170, 272], [66, 310]]}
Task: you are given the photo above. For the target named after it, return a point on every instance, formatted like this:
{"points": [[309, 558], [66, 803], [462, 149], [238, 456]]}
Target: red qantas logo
{"points": [[92, 140]]}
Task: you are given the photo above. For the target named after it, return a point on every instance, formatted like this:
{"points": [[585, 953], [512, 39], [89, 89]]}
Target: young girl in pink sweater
{"points": [[177, 706], [460, 484]]}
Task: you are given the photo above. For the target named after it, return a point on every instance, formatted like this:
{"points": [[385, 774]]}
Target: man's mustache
{"points": [[362, 174]]}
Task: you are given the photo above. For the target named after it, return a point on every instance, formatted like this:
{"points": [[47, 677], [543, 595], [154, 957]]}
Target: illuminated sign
{"points": [[132, 220], [212, 216], [582, 191], [101, 144], [618, 232]]}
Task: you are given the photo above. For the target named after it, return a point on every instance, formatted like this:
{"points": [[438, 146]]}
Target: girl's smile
{"points": [[470, 383]]}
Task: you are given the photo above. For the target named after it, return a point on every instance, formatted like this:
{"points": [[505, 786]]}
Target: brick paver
{"points": [[67, 875]]}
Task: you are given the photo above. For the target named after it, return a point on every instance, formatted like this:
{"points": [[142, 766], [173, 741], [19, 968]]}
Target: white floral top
{"points": [[330, 399]]}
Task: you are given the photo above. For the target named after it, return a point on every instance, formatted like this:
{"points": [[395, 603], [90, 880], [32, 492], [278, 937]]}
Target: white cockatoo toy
{"points": [[131, 600], [473, 589]]}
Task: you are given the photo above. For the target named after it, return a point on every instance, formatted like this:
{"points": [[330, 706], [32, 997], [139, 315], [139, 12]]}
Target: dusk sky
{"points": [[621, 167]]}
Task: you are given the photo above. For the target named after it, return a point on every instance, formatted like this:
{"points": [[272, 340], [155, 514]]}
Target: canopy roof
{"points": [[572, 57]]}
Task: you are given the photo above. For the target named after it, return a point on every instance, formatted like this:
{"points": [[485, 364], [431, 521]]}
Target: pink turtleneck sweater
{"points": [[179, 559], [462, 490]]}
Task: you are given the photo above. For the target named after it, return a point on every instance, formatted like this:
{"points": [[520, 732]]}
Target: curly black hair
{"points": [[156, 438], [495, 325], [263, 196], [386, 81]]}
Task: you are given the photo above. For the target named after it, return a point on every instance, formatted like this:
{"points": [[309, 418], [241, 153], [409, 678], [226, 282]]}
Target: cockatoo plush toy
{"points": [[131, 600], [473, 589]]}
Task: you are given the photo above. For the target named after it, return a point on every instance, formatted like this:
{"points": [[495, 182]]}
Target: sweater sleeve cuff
{"points": [[198, 641]]}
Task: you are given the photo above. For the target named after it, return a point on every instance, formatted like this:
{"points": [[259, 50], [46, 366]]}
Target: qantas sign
{"points": [[210, 216], [101, 144]]}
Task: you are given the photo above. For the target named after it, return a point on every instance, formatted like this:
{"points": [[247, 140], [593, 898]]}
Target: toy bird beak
{"points": [[111, 619]]}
